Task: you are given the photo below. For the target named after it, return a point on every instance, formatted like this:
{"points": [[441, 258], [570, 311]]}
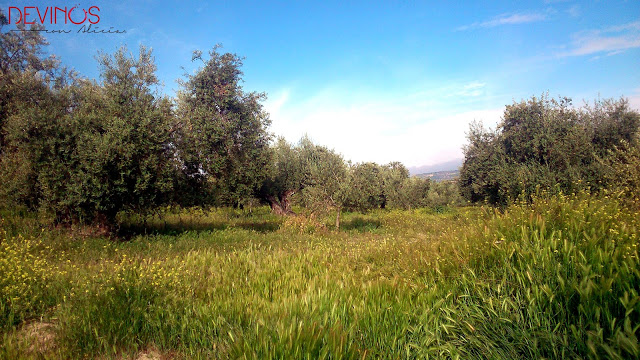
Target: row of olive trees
{"points": [[546, 144], [319, 178], [85, 150]]}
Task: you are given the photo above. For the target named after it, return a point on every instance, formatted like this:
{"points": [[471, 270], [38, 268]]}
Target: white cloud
{"points": [[273, 105], [612, 40], [630, 26], [634, 100], [574, 11], [408, 128], [472, 89], [506, 19]]}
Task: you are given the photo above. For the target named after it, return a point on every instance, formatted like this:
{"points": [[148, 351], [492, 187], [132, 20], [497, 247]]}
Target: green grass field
{"points": [[556, 279]]}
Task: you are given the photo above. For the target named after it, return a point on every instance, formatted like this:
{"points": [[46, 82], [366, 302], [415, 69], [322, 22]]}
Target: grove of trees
{"points": [[547, 144], [84, 150], [323, 180]]}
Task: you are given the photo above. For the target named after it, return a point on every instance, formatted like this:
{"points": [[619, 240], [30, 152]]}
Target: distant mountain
{"points": [[452, 165], [440, 175]]}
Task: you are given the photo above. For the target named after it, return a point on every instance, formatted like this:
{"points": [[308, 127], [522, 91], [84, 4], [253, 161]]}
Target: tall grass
{"points": [[559, 278]]}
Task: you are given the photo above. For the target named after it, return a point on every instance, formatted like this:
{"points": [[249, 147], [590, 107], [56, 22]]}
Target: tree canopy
{"points": [[85, 150], [222, 142], [547, 144]]}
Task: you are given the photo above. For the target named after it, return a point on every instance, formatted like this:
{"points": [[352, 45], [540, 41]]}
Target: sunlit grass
{"points": [[559, 278]]}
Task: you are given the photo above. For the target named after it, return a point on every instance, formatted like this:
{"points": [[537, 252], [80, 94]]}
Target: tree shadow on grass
{"points": [[259, 226], [361, 224], [128, 231]]}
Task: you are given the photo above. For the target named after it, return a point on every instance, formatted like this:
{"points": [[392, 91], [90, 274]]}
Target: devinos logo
{"points": [[86, 18]]}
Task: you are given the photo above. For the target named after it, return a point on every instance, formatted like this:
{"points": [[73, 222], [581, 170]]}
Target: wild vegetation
{"points": [[134, 225], [556, 278]]}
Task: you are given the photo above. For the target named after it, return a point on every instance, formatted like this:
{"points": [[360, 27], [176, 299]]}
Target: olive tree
{"points": [[85, 151], [22, 63], [326, 178], [223, 140], [367, 190], [286, 172], [544, 143], [123, 154]]}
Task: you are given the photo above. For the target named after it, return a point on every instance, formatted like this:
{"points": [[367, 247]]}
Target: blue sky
{"points": [[381, 80]]}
